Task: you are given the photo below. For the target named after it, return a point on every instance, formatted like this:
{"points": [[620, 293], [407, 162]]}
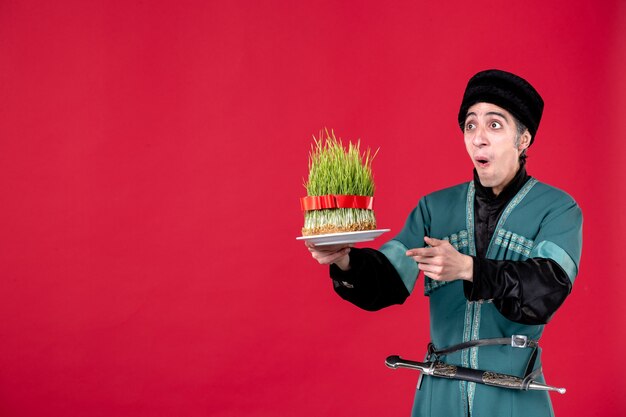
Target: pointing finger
{"points": [[421, 252], [433, 242]]}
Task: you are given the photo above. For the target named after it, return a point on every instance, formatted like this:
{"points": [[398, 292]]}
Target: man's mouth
{"points": [[482, 162]]}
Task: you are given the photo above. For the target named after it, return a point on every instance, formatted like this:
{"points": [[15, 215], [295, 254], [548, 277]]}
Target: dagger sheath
{"points": [[494, 379]]}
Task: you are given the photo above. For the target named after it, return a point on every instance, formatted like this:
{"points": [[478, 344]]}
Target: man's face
{"points": [[489, 134]]}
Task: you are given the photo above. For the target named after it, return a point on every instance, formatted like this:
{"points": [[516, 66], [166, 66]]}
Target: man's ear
{"points": [[524, 142]]}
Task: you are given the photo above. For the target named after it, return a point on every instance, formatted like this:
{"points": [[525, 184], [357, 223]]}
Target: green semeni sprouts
{"points": [[333, 169]]}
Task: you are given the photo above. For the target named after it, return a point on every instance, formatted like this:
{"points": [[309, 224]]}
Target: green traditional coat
{"points": [[539, 222]]}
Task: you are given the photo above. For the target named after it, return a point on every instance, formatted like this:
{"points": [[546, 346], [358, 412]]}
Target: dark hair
{"points": [[520, 130]]}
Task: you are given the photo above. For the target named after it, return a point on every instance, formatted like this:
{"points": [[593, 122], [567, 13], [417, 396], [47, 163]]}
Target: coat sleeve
{"points": [[531, 291], [380, 278], [527, 292], [372, 282]]}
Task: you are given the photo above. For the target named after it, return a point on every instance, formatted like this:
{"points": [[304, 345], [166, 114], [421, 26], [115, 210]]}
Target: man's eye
{"points": [[470, 126], [495, 125]]}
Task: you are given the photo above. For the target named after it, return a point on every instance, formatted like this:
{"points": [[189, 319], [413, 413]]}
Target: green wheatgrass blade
{"points": [[333, 169]]}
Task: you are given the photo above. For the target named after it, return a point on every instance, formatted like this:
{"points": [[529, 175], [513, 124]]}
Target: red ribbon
{"points": [[332, 201]]}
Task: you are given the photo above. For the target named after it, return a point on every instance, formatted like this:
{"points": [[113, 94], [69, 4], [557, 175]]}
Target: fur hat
{"points": [[505, 90]]}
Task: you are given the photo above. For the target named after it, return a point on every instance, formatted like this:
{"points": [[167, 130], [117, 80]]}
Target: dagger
{"points": [[494, 379]]}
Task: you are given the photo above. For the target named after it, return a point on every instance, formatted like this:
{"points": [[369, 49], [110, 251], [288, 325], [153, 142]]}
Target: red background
{"points": [[152, 156]]}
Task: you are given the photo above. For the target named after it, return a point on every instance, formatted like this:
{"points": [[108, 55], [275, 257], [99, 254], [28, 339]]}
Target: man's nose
{"points": [[479, 138]]}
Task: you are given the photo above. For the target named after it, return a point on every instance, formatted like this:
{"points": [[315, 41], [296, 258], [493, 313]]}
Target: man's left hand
{"points": [[442, 262]]}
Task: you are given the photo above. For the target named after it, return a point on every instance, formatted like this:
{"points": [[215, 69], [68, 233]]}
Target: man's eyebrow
{"points": [[495, 113], [491, 113]]}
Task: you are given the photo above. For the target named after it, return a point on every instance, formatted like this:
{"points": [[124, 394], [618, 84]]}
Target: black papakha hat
{"points": [[505, 90]]}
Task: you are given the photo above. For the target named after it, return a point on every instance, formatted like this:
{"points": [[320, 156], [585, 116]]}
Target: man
{"points": [[499, 255]]}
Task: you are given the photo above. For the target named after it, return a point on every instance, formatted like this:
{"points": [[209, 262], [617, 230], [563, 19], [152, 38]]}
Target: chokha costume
{"points": [[526, 246]]}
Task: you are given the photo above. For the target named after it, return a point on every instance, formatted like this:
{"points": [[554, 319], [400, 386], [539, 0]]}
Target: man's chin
{"points": [[486, 180]]}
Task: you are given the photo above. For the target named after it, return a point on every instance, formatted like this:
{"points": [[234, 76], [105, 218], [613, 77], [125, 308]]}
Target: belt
{"points": [[517, 341]]}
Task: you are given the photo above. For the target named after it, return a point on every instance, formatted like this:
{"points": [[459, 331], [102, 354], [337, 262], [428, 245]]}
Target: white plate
{"points": [[341, 238]]}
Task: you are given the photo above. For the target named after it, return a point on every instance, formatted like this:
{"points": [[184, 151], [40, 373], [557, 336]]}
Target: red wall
{"points": [[151, 160]]}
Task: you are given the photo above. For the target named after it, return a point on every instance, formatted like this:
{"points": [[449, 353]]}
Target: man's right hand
{"points": [[331, 254]]}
